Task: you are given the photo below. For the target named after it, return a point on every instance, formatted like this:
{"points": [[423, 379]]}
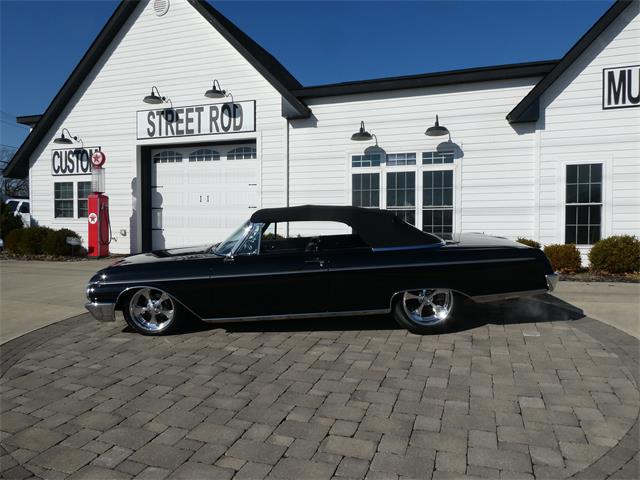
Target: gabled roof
{"points": [[452, 77], [528, 110], [261, 60]]}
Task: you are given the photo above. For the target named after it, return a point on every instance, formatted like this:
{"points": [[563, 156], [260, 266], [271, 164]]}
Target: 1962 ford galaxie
{"points": [[384, 265]]}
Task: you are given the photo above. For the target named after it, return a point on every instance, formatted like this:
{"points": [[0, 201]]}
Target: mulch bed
{"points": [[50, 258], [588, 276]]}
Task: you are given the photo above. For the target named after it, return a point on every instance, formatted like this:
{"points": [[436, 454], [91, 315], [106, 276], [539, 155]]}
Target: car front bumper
{"points": [[103, 312], [552, 281]]}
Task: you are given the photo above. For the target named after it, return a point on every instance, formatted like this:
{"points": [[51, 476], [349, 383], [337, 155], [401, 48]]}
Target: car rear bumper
{"points": [[103, 312], [552, 281]]}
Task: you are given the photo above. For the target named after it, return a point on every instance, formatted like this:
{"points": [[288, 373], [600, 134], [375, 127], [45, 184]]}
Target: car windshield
{"points": [[226, 247], [12, 204]]}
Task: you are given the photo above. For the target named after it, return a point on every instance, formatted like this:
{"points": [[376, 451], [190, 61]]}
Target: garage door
{"points": [[199, 195]]}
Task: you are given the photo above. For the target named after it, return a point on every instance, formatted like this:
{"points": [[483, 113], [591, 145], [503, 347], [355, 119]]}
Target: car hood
{"points": [[169, 255]]}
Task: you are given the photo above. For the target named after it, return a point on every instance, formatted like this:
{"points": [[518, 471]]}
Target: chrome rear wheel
{"points": [[426, 310], [151, 311]]}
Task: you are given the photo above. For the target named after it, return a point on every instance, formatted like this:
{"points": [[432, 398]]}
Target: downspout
{"points": [[287, 170]]}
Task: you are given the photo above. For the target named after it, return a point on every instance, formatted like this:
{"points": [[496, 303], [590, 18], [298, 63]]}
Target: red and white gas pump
{"points": [[98, 206]]}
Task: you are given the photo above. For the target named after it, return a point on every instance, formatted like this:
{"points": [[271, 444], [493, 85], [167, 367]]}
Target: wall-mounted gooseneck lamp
{"points": [[437, 130], [154, 98], [216, 91], [62, 140], [362, 135]]}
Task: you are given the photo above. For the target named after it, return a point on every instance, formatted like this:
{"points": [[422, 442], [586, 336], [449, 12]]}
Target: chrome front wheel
{"points": [[151, 311]]}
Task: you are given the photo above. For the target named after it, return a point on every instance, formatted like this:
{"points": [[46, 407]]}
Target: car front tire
{"points": [[427, 310], [151, 311]]}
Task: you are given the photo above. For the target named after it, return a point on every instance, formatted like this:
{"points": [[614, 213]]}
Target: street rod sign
{"points": [[212, 119]]}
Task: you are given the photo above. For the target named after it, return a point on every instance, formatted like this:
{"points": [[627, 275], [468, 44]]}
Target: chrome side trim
{"points": [[292, 316], [408, 247], [103, 312], [552, 281], [494, 297], [294, 272]]}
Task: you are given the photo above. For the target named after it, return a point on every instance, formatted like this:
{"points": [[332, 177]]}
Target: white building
{"points": [[546, 150]]}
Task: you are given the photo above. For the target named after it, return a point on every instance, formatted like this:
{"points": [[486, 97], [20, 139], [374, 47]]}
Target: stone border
{"points": [[621, 461]]}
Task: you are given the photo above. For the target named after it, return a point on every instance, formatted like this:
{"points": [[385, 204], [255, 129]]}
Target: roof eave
{"points": [[527, 110]]}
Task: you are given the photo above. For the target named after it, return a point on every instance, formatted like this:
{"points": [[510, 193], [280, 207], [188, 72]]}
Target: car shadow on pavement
{"points": [[529, 310]]}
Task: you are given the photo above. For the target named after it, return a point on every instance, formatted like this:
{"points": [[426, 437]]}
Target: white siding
{"points": [[496, 171], [574, 128], [181, 53]]}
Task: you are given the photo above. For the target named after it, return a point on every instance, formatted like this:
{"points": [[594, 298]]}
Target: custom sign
{"points": [[72, 161], [621, 87], [212, 119], [98, 159]]}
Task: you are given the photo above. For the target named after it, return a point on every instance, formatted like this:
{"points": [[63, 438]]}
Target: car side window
{"points": [[24, 207], [12, 204], [308, 237]]}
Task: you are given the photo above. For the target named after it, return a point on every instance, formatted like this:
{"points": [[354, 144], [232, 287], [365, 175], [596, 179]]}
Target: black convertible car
{"points": [[261, 272]]}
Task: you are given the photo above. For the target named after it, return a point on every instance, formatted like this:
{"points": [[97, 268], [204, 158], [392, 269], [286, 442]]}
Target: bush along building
{"points": [[202, 132]]}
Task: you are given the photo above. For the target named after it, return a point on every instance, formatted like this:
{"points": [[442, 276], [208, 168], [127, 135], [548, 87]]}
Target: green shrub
{"points": [[8, 221], [27, 241], [618, 254], [564, 258], [528, 242], [55, 242]]}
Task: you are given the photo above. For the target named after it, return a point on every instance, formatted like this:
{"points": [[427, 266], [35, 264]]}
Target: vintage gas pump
{"points": [[98, 206]]}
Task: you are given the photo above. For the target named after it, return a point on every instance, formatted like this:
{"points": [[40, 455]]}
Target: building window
{"points": [[167, 156], [63, 199], [436, 158], [401, 195], [369, 160], [84, 189], [204, 155], [583, 210], [242, 153], [366, 190], [437, 202], [394, 159]]}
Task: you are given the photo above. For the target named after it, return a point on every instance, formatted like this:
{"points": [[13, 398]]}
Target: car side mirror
{"points": [[229, 258]]}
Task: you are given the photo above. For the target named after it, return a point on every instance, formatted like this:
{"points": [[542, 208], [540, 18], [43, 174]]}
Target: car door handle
{"points": [[318, 261]]}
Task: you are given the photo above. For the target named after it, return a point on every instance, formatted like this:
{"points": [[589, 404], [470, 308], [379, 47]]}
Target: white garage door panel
{"points": [[200, 202]]}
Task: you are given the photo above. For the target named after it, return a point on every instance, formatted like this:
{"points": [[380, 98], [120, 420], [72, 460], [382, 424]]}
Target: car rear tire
{"points": [[151, 311], [427, 310]]}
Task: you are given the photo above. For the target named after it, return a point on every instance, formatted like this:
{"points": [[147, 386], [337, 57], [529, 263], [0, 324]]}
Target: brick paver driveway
{"points": [[525, 390]]}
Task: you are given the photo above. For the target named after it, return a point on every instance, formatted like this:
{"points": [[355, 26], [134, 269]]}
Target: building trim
{"points": [[528, 110], [451, 77], [28, 120]]}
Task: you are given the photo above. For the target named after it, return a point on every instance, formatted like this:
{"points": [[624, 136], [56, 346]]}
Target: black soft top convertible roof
{"points": [[378, 228]]}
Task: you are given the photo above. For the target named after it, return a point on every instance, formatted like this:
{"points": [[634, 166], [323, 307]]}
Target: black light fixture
{"points": [[216, 91], [62, 140], [155, 98], [362, 135], [437, 130]]}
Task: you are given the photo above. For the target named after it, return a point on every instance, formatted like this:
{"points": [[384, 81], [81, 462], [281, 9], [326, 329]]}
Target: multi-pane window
{"points": [[401, 195], [394, 159], [84, 189], [63, 199], [368, 160], [436, 158], [437, 202], [419, 192], [583, 210], [167, 156], [242, 153], [366, 190], [204, 155]]}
